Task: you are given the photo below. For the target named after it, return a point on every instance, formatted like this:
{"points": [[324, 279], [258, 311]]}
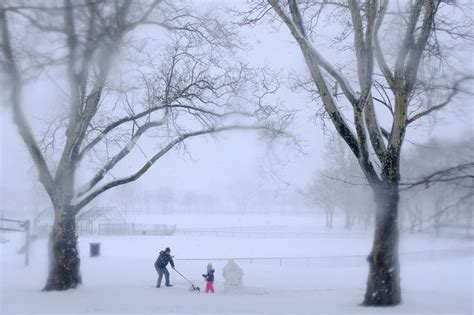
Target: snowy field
{"points": [[122, 280]]}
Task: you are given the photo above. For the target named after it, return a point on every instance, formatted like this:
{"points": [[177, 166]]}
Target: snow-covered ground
{"points": [[122, 280]]}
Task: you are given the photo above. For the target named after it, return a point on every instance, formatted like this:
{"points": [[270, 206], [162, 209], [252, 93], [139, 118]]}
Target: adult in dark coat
{"points": [[160, 265]]}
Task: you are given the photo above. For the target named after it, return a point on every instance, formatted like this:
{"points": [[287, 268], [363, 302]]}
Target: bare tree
{"points": [[167, 198], [440, 172], [343, 166], [191, 88], [405, 77], [340, 184], [324, 193]]}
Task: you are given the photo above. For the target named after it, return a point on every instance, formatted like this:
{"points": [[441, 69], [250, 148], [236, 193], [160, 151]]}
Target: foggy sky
{"points": [[220, 163]]}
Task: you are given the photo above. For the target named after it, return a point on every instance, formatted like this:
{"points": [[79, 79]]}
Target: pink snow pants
{"points": [[210, 286]]}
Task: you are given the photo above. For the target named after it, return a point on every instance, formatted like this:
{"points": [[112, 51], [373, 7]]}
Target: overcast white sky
{"points": [[227, 161]]}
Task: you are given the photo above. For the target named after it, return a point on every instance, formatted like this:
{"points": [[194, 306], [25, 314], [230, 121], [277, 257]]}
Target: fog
{"points": [[294, 143], [224, 165]]}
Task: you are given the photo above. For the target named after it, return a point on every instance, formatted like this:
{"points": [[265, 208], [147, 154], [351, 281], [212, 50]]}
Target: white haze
{"points": [[225, 165]]}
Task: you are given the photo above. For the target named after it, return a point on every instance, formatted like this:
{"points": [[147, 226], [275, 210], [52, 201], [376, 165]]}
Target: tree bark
{"points": [[64, 271], [383, 284]]}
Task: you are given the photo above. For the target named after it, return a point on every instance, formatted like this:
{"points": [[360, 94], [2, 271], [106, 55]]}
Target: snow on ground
{"points": [[122, 279]]}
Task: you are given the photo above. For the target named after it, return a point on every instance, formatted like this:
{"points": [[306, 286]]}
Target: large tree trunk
{"points": [[64, 262], [383, 284]]}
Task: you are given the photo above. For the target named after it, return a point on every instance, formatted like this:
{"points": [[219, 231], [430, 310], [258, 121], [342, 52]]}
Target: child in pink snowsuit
{"points": [[209, 276]]}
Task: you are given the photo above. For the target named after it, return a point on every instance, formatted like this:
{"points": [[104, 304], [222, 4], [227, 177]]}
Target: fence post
{"points": [[27, 242]]}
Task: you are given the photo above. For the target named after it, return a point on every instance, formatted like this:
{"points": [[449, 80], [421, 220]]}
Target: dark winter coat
{"points": [[209, 276], [163, 259]]}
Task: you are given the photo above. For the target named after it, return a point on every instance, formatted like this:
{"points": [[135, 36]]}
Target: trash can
{"points": [[94, 249]]}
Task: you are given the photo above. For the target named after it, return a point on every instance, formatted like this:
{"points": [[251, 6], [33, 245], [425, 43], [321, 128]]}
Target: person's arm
{"points": [[171, 262]]}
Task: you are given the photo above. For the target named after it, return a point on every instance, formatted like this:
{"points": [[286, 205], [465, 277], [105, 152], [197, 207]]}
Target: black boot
{"points": [[168, 285]]}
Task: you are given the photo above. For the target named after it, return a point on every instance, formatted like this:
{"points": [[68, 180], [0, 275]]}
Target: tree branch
{"points": [[145, 113], [313, 61], [443, 211], [296, 16], [454, 91], [449, 175], [80, 204], [379, 55], [24, 129], [408, 40], [416, 51], [117, 158], [319, 59]]}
